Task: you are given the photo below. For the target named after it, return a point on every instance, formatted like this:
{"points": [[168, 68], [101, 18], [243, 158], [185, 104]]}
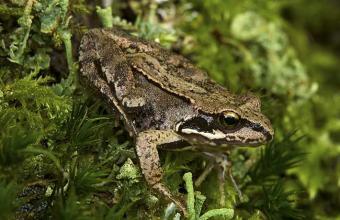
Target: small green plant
{"points": [[195, 202]]}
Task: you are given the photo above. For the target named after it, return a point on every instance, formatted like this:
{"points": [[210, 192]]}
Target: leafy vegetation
{"points": [[62, 156]]}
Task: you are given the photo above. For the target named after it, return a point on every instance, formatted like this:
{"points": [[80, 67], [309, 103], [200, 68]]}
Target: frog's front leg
{"points": [[146, 148], [220, 161]]}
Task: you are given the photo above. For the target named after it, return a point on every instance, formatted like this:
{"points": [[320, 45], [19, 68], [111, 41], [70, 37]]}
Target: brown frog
{"points": [[167, 102]]}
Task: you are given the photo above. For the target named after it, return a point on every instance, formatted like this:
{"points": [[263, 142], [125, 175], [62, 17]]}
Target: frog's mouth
{"points": [[242, 137]]}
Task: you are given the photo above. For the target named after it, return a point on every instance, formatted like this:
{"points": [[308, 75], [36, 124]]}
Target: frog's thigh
{"points": [[146, 148]]}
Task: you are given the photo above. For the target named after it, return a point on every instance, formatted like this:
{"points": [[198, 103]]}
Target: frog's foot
{"points": [[146, 149], [224, 168], [159, 187], [239, 193]]}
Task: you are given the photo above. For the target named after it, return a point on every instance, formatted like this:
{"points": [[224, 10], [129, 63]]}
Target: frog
{"points": [[166, 102]]}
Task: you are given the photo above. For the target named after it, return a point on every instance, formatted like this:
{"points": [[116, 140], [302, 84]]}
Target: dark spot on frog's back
{"points": [[133, 46], [144, 118], [100, 72]]}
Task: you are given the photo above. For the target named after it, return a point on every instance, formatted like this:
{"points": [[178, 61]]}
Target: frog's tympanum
{"points": [[167, 102]]}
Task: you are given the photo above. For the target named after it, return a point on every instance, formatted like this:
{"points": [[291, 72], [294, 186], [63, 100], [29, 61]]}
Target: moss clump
{"points": [[62, 156]]}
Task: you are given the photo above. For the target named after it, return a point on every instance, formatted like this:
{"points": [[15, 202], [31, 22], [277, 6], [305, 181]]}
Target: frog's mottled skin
{"points": [[164, 100]]}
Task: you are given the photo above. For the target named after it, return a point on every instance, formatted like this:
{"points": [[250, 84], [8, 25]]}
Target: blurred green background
{"points": [[63, 157]]}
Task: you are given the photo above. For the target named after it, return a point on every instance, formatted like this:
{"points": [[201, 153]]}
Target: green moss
{"points": [[129, 171], [63, 157]]}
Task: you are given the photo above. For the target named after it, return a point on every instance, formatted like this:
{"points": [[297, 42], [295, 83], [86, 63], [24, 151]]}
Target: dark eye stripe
{"points": [[198, 123]]}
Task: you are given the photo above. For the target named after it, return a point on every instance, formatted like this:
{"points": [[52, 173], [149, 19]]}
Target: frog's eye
{"points": [[229, 119]]}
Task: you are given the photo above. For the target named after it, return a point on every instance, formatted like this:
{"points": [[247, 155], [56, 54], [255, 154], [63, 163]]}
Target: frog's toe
{"points": [[182, 208]]}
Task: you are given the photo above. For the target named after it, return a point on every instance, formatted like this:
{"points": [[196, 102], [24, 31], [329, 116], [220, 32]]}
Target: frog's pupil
{"points": [[230, 120]]}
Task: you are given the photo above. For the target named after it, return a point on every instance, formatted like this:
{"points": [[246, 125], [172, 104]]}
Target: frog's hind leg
{"points": [[146, 149], [102, 63], [110, 60]]}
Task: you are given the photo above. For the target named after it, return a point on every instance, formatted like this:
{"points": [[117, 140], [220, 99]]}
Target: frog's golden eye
{"points": [[230, 119]]}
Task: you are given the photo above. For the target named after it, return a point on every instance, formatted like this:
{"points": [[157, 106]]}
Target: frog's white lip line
{"points": [[215, 134]]}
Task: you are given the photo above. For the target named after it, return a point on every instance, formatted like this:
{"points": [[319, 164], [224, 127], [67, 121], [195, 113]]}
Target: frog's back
{"points": [[178, 75]]}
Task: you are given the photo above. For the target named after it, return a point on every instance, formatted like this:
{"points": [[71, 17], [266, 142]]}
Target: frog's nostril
{"points": [[257, 127]]}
